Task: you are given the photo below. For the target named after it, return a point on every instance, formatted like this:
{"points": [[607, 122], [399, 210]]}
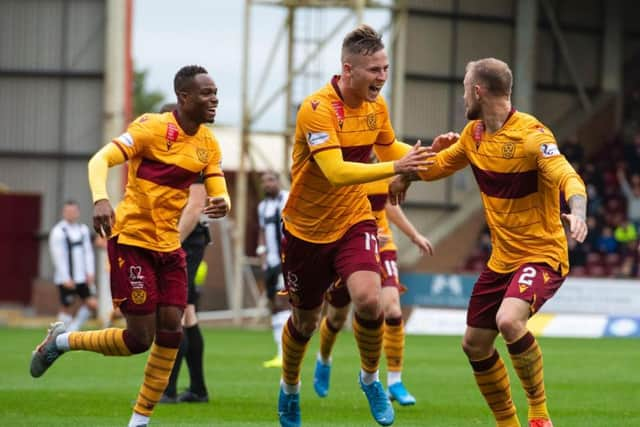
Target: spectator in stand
{"points": [[606, 242], [632, 193], [625, 232]]}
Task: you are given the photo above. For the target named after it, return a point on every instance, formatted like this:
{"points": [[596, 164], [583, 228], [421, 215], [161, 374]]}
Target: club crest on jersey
{"points": [[314, 104], [508, 150], [549, 150], [202, 154], [138, 296], [338, 107], [371, 121]]}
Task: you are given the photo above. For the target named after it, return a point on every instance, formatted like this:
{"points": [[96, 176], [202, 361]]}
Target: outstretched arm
{"points": [[340, 172], [397, 216]]}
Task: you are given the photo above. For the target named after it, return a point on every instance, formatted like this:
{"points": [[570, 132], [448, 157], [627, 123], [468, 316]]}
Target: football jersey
{"points": [[520, 173], [163, 162], [316, 211], [378, 193]]}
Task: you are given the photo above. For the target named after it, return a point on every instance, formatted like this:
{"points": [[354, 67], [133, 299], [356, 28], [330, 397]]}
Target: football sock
{"points": [[527, 362], [493, 380], [193, 354], [290, 388], [328, 334], [278, 320], [157, 370], [368, 335], [294, 346], [172, 386], [393, 345], [110, 342], [82, 316]]}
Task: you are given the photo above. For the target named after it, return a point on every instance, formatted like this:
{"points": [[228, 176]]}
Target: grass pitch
{"points": [[589, 383]]}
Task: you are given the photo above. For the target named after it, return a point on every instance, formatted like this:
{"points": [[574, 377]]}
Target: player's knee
{"points": [[367, 303], [137, 342], [474, 349], [509, 327], [307, 326]]}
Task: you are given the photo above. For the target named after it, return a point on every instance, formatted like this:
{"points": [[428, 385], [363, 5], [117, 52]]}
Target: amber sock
{"points": [[493, 381], [527, 362]]}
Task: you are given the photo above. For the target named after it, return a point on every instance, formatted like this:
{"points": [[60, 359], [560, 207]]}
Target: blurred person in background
{"points": [[73, 259], [269, 251]]}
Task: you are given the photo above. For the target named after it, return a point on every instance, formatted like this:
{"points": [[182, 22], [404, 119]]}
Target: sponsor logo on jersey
{"points": [[371, 121], [315, 138], [508, 150], [126, 139], [545, 276], [314, 104], [549, 150]]}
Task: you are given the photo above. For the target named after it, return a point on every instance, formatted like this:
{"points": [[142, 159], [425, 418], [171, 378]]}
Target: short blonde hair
{"points": [[493, 74], [364, 40]]}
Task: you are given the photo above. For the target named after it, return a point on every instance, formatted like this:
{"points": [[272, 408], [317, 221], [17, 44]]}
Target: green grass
{"points": [[589, 383]]}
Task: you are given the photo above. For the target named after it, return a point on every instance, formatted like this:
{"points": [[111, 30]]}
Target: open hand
{"points": [[416, 160], [443, 141]]}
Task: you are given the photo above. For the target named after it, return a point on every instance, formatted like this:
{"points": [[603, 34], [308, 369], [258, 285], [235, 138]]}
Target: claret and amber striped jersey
{"points": [[316, 211], [163, 162], [378, 194], [520, 172]]}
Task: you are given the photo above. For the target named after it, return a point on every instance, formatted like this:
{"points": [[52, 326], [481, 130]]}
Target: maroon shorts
{"points": [[338, 294], [389, 265], [142, 279], [534, 283], [310, 268]]}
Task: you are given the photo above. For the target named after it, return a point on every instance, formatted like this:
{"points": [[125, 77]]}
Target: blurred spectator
{"points": [[625, 232], [632, 193], [71, 250], [606, 242]]}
